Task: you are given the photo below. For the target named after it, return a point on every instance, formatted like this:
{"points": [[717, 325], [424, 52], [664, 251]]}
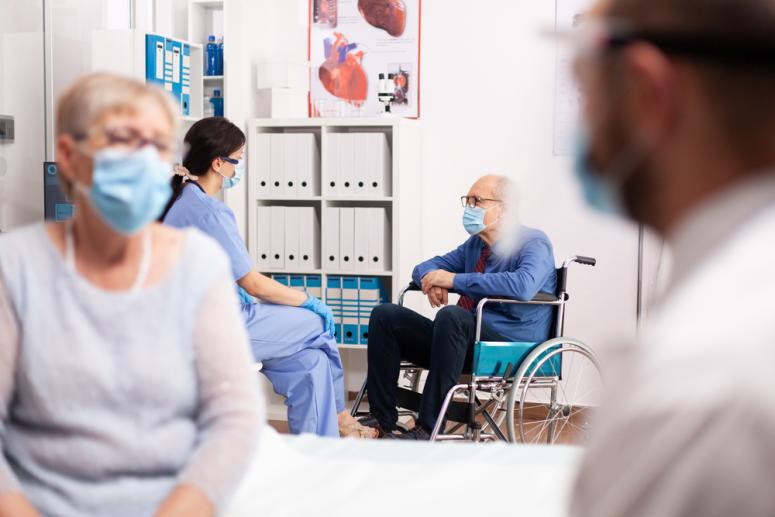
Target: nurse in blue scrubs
{"points": [[291, 333]]}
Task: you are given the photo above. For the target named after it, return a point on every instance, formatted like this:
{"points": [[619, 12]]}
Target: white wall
{"points": [[70, 24]]}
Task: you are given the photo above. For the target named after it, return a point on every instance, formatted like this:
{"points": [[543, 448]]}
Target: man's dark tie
{"points": [[466, 302]]}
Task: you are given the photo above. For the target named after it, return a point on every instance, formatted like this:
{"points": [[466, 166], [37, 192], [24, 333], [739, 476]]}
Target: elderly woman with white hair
{"points": [[125, 386]]}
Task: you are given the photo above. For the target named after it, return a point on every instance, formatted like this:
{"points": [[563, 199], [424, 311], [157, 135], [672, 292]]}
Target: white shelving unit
{"points": [[403, 208], [202, 21]]}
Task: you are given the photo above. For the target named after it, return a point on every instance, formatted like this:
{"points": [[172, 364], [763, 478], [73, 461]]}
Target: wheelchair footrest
{"points": [[408, 399]]}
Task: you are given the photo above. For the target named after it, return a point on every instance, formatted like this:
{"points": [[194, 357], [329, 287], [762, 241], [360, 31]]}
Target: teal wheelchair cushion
{"points": [[492, 357]]}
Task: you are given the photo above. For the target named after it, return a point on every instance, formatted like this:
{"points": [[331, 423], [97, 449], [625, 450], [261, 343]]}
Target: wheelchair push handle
{"points": [[587, 261], [412, 287]]}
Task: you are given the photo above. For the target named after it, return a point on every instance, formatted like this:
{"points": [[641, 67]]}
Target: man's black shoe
{"points": [[417, 433]]}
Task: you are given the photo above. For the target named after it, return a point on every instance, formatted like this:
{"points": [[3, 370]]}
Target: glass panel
{"points": [[30, 83], [22, 103]]}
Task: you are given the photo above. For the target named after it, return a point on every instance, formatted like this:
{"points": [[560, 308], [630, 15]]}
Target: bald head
{"points": [[491, 186]]}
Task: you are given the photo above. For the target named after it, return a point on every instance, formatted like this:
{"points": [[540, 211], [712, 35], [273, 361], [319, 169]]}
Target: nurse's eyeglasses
{"points": [[232, 161], [474, 201]]}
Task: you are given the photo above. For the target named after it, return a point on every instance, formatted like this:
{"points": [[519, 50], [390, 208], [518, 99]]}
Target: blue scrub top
{"points": [[195, 208]]}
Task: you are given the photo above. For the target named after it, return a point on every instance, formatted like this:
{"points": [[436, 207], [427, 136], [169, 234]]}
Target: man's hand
{"points": [[438, 296], [437, 278]]}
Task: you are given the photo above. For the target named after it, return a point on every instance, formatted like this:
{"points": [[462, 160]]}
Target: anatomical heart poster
{"points": [[351, 44]]}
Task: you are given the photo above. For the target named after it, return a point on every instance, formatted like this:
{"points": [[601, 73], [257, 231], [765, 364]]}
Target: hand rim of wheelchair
{"points": [[533, 362]]}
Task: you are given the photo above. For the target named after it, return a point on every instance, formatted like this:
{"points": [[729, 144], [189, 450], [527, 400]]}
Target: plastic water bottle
{"points": [[220, 56], [209, 110], [217, 101], [212, 56]]}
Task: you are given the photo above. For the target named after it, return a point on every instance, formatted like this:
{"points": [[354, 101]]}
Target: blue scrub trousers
{"points": [[302, 362]]}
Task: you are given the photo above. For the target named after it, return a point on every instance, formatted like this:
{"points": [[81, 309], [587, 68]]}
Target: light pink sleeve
{"points": [[231, 409], [9, 348]]}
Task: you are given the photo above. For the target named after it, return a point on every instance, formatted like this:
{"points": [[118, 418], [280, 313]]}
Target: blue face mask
{"points": [[600, 193], [473, 220], [232, 182], [129, 189]]}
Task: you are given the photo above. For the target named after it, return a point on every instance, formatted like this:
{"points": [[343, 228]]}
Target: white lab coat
{"points": [[688, 424]]}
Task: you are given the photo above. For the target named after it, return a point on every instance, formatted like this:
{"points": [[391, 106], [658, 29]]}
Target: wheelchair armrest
{"points": [[540, 298], [579, 259], [414, 287], [544, 297]]}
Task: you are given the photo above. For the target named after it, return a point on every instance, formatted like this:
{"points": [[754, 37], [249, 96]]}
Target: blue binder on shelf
{"points": [[313, 286], [168, 46], [297, 282], [350, 310], [154, 59], [370, 294], [283, 279], [334, 300], [185, 89], [177, 70]]}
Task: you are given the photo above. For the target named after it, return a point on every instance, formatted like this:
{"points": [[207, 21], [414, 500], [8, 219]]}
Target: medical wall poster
{"points": [[352, 43], [567, 103]]}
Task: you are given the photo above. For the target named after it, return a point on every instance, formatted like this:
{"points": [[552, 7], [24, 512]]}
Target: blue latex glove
{"points": [[324, 311]]}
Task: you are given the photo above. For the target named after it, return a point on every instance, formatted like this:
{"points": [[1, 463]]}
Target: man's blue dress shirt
{"points": [[521, 274]]}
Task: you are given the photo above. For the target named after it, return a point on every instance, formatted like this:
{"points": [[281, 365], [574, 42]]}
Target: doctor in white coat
{"points": [[680, 113]]}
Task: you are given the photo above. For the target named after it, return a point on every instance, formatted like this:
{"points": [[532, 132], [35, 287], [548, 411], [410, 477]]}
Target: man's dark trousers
{"points": [[444, 346]]}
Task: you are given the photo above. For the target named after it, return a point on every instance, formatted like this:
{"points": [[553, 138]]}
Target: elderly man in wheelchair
{"points": [[478, 268]]}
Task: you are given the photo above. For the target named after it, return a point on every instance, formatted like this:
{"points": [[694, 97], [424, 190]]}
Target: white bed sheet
{"points": [[311, 476]]}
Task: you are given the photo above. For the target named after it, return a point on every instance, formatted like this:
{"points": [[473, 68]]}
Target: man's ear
{"points": [[653, 92]]}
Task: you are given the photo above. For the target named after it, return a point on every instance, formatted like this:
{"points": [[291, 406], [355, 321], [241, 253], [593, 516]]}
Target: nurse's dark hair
{"points": [[206, 140]]}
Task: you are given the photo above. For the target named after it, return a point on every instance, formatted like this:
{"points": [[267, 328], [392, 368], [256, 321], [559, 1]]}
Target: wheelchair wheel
{"points": [[553, 395]]}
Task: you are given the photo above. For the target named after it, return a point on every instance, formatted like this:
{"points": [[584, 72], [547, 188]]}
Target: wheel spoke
{"points": [[566, 415]]}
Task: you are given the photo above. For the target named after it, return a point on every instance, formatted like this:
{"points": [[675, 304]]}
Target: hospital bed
{"points": [[311, 476]]}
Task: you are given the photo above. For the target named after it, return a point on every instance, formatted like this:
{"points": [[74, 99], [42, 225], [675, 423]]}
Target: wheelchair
{"points": [[544, 391]]}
